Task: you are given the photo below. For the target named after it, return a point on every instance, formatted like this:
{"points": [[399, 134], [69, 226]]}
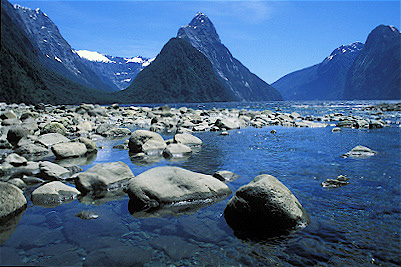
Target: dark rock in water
{"points": [[172, 185], [359, 152], [104, 177], [7, 228], [12, 201], [225, 176], [53, 194], [123, 255], [87, 215], [264, 208], [341, 180]]}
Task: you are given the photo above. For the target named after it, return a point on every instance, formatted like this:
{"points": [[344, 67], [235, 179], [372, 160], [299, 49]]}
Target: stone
{"points": [[359, 152], [15, 133], [52, 171], [87, 215], [69, 150], [31, 150], [16, 160], [341, 180], [9, 122], [187, 139], [346, 123], [176, 151], [117, 132], [175, 247], [224, 133], [12, 201], [375, 124], [147, 142], [4, 144], [50, 139], [85, 126], [90, 145], [227, 124], [53, 194], [123, 255], [8, 115], [171, 185], [225, 176], [17, 182], [104, 177], [54, 127], [336, 129], [263, 208]]}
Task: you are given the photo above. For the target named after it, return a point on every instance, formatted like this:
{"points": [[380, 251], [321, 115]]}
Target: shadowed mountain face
{"points": [[375, 73], [242, 84], [22, 77], [180, 73], [54, 51], [324, 81]]}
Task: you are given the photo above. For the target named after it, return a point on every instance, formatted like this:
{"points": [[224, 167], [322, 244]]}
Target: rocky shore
{"points": [[33, 138]]}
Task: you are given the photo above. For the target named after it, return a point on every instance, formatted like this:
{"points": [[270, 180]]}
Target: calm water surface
{"points": [[355, 225]]}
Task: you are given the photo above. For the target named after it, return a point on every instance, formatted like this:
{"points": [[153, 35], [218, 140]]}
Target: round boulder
{"points": [[359, 152], [16, 133], [264, 208], [12, 200], [53, 194], [147, 142], [176, 151], [69, 150], [187, 139]]}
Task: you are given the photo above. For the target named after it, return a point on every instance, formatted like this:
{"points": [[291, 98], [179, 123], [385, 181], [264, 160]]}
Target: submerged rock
{"points": [[264, 208], [341, 180], [359, 152], [53, 194], [12, 201], [176, 151], [225, 176], [104, 177], [172, 185], [87, 215]]}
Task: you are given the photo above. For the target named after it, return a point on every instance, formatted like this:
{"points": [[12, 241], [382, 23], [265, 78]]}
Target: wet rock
{"points": [[263, 208], [9, 122], [228, 124], [187, 139], [52, 171], [201, 229], [346, 123], [16, 160], [103, 128], [12, 201], [225, 176], [104, 177], [224, 133], [54, 127], [50, 139], [17, 182], [172, 185], [336, 129], [15, 133], [53, 194], [69, 150], [359, 152], [175, 247], [341, 180], [375, 124], [90, 145], [31, 180], [87, 215], [177, 151], [147, 142]]}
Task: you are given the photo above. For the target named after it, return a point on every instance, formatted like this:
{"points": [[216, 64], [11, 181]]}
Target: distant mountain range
{"points": [[38, 65], [355, 71]]}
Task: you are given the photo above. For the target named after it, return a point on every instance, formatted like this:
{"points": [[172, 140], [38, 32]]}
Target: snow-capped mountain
{"points": [[118, 72], [244, 85], [55, 52], [323, 81]]}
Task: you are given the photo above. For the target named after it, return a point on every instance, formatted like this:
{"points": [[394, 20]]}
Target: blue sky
{"points": [[271, 38]]}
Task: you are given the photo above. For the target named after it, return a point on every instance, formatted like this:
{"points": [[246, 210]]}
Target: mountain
{"points": [[323, 81], [117, 72], [22, 77], [375, 73], [55, 52], [180, 73], [243, 85]]}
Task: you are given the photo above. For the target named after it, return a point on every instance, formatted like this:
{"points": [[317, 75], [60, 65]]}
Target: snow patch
{"points": [[59, 60], [93, 56], [134, 60], [127, 80], [147, 63]]}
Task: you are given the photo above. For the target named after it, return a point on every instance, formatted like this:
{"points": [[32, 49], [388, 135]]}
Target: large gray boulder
{"points": [[177, 151], [12, 201], [359, 152], [53, 194], [148, 142], [52, 171], [15, 133], [69, 150], [50, 139], [90, 145], [172, 185], [264, 207], [16, 160], [228, 124], [104, 177], [30, 150], [187, 139]]}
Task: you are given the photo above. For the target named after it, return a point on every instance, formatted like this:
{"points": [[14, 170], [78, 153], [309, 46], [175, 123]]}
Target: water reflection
{"points": [[8, 226]]}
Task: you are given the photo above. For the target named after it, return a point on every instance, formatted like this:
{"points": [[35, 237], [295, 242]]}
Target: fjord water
{"points": [[354, 225]]}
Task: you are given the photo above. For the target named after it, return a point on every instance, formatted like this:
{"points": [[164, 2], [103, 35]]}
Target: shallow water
{"points": [[353, 225]]}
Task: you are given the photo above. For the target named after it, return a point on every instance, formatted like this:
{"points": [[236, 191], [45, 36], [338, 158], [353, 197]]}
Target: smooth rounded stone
{"points": [[16, 160], [54, 127], [17, 182], [172, 185], [227, 124], [225, 176], [53, 194], [31, 150], [87, 215], [15, 134], [9, 122], [187, 139], [69, 150], [12, 201], [308, 124], [359, 152], [103, 128], [139, 139], [176, 151], [90, 145], [346, 123], [375, 124], [31, 168], [341, 180], [31, 180], [117, 132], [8, 115], [175, 247], [98, 111], [273, 131], [263, 208], [85, 126], [336, 129], [50, 139], [104, 177], [224, 133], [52, 171]]}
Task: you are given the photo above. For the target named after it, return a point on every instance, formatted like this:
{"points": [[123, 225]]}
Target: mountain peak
{"points": [[351, 48], [200, 25]]}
